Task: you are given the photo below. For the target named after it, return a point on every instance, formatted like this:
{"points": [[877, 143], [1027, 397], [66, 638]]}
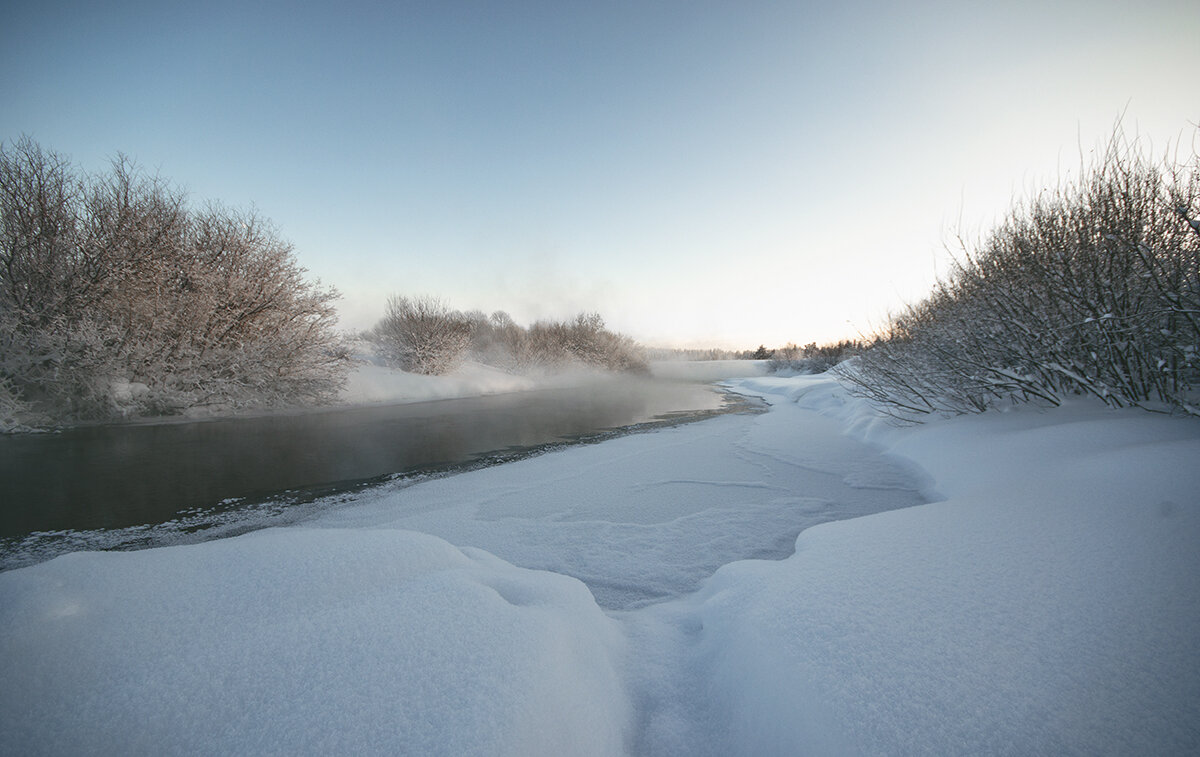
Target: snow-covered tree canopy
{"points": [[118, 298]]}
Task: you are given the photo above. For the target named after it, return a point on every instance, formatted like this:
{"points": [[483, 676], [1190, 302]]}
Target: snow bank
{"points": [[1049, 605], [305, 641]]}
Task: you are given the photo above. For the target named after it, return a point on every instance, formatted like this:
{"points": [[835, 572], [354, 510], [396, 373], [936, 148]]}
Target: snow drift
{"points": [[301, 641]]}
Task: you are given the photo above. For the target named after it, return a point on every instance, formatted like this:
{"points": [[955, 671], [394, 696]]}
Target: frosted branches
{"points": [[1091, 288], [111, 281], [422, 335]]}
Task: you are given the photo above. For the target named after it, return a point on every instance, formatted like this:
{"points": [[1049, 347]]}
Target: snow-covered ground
{"points": [[1019, 583]]}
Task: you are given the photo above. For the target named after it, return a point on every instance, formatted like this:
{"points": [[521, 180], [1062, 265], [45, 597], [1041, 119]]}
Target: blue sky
{"points": [[700, 173]]}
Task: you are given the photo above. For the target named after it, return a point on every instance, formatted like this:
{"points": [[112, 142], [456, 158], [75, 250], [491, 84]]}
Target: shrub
{"points": [[1091, 288], [112, 281], [421, 335], [584, 341], [695, 354], [496, 340]]}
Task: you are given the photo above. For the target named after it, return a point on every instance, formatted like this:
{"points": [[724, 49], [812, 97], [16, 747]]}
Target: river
{"points": [[143, 484]]}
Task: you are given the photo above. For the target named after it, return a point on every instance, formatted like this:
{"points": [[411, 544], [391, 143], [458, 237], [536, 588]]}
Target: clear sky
{"points": [[701, 173]]}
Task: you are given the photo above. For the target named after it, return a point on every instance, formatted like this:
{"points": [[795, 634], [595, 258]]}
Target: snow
{"points": [[306, 641], [650, 516], [1023, 582], [1049, 604]]}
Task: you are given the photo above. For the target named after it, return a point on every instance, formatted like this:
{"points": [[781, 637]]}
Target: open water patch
{"points": [[205, 516]]}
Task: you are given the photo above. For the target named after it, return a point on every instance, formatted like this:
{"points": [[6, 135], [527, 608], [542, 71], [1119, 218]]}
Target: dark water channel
{"points": [[119, 476]]}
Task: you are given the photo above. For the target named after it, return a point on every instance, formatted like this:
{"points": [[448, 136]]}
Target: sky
{"points": [[702, 174]]}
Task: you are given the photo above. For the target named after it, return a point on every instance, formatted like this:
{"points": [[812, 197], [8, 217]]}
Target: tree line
{"points": [[811, 358]]}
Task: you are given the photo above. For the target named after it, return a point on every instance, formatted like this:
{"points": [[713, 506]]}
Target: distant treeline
{"points": [[423, 335], [812, 358], [678, 353]]}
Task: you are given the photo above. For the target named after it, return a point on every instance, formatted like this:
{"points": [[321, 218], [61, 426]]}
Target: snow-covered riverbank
{"points": [[1044, 600]]}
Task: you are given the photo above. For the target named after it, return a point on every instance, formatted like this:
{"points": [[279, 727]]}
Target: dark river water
{"points": [[193, 475]]}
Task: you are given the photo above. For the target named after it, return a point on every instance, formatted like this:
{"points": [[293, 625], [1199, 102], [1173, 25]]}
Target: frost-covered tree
{"points": [[117, 298], [584, 340], [496, 340], [422, 335]]}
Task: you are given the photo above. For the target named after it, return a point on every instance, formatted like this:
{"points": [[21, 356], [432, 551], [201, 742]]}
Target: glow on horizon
{"points": [[700, 174]]}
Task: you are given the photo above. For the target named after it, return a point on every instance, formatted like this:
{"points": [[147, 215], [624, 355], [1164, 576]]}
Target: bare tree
{"points": [[422, 335], [496, 340], [585, 341]]}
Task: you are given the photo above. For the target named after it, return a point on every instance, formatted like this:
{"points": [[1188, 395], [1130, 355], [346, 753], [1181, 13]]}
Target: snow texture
{"points": [[646, 517], [1009, 583], [1048, 605], [306, 641]]}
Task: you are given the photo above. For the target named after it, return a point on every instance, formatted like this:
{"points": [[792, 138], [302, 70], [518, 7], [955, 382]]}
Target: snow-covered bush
{"points": [[583, 340], [421, 335], [111, 281], [496, 340], [1090, 288], [13, 412]]}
